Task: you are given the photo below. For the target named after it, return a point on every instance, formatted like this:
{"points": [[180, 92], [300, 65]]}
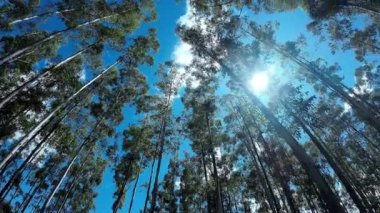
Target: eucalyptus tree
{"points": [[118, 14], [191, 190], [136, 148], [204, 44], [168, 84], [167, 196], [137, 54]]}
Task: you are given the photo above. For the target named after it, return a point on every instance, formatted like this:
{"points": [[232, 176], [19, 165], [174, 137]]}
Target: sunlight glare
{"points": [[259, 82]]}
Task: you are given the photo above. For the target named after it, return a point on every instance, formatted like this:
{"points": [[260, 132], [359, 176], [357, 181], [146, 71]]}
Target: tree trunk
{"points": [[155, 185], [365, 9], [332, 201], [362, 205], [66, 196], [206, 177], [71, 163], [18, 21], [26, 204], [37, 129], [149, 184], [57, 185], [39, 76], [219, 207], [276, 168], [116, 205], [22, 51], [133, 193], [268, 188], [31, 156]]}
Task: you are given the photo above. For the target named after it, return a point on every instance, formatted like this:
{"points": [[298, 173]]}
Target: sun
{"points": [[258, 83]]}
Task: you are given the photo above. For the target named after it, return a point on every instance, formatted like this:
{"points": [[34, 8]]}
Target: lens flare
{"points": [[259, 82]]}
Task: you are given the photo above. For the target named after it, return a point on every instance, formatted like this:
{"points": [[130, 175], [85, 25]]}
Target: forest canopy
{"points": [[263, 106]]}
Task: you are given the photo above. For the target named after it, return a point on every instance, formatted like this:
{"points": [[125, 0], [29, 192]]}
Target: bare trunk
{"points": [[18, 21], [66, 196], [268, 188], [71, 163], [22, 51], [117, 204], [219, 207], [362, 205], [36, 130], [155, 185], [149, 185], [31, 156], [38, 77], [133, 193]]}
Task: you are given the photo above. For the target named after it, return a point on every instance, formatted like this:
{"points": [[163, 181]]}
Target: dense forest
{"points": [[204, 138]]}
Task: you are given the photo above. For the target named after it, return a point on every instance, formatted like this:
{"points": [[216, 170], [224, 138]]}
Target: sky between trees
{"points": [[189, 106]]}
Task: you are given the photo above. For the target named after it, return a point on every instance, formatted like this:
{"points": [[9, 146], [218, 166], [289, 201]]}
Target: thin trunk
{"points": [[206, 178], [219, 207], [26, 204], [362, 205], [32, 187], [66, 196], [22, 51], [155, 185], [149, 185], [133, 193], [7, 98], [365, 9], [31, 156], [272, 200], [117, 204], [332, 201], [57, 185], [369, 141], [161, 141], [285, 187], [18, 21], [277, 173], [36, 130], [71, 163], [309, 203]]}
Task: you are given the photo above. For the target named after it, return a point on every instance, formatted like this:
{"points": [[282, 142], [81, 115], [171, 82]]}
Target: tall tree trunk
{"points": [[268, 187], [116, 205], [36, 130], [365, 9], [18, 21], [362, 205], [133, 193], [219, 207], [155, 185], [206, 177], [57, 185], [23, 50], [73, 184], [332, 201], [30, 197], [7, 98], [149, 185], [32, 155], [71, 163]]}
